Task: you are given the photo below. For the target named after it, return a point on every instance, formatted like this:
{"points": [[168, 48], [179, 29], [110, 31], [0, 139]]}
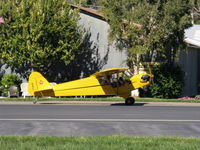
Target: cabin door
{"points": [[121, 84]]}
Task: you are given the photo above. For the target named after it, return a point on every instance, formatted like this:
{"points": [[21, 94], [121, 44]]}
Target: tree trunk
{"points": [[137, 64]]}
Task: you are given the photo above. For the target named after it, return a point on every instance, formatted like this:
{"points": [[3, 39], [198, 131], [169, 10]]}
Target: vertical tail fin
{"points": [[38, 85]]}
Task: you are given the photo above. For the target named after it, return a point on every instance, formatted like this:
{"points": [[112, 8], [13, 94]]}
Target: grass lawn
{"points": [[98, 143], [98, 99]]}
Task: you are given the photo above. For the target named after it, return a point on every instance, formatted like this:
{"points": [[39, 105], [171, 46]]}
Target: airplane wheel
{"points": [[130, 101]]}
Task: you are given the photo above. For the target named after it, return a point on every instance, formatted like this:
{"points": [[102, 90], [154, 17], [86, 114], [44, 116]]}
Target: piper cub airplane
{"points": [[114, 81]]}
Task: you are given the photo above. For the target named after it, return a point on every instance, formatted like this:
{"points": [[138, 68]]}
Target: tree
{"points": [[38, 34], [168, 81], [150, 30], [196, 12]]}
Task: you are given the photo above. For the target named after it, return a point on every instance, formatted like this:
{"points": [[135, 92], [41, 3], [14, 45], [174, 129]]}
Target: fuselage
{"points": [[92, 86], [115, 81]]}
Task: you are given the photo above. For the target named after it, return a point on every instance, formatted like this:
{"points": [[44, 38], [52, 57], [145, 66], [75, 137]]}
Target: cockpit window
{"points": [[116, 79]]}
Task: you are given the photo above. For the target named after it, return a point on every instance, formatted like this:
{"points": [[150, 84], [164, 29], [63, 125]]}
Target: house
{"points": [[96, 24], [190, 61]]}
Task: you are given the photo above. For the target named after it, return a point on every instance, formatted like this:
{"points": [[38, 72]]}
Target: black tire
{"points": [[130, 101]]}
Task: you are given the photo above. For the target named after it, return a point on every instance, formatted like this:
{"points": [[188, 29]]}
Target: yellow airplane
{"points": [[114, 81]]}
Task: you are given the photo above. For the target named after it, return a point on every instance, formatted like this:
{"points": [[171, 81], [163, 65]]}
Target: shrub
{"points": [[168, 81], [9, 80]]}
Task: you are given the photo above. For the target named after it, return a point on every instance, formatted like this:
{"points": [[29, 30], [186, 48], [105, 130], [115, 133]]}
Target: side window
{"points": [[114, 80], [102, 80], [121, 80]]}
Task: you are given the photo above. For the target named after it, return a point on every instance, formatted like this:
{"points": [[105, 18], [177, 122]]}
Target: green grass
{"points": [[166, 100], [98, 99], [98, 143]]}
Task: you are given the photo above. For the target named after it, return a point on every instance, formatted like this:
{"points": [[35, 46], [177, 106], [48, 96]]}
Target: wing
{"points": [[108, 71]]}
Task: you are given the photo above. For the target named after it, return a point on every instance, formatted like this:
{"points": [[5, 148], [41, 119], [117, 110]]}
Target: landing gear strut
{"points": [[130, 101]]}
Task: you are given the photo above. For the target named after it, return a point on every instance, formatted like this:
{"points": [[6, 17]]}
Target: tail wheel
{"points": [[130, 101]]}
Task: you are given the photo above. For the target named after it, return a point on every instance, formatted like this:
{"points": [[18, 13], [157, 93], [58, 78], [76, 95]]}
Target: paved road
{"points": [[88, 120]]}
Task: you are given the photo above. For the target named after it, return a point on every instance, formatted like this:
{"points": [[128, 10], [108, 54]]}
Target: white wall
{"points": [[99, 29]]}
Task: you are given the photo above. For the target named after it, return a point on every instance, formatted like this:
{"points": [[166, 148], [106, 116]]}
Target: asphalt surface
{"points": [[91, 119]]}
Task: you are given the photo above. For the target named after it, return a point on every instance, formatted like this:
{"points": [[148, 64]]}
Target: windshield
{"points": [[128, 73]]}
